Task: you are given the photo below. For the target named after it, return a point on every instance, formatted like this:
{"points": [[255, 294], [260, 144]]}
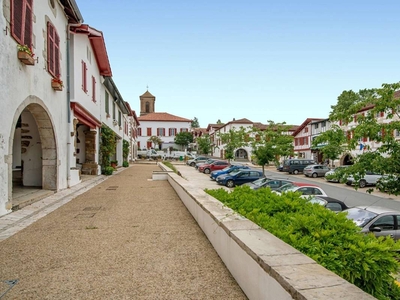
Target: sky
{"points": [[284, 61]]}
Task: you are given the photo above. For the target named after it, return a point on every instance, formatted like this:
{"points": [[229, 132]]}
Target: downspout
{"points": [[68, 83]]}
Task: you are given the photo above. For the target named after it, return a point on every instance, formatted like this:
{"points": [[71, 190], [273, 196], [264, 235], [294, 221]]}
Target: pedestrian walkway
{"points": [[118, 237]]}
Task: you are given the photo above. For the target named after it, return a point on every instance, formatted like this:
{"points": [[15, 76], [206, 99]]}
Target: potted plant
{"points": [[114, 163], [57, 84], [25, 55]]}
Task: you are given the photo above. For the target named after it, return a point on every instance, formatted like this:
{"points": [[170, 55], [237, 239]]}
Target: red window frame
{"points": [[149, 144], [53, 51], [84, 77], [160, 131], [149, 131], [138, 145], [139, 131], [94, 89], [22, 21]]}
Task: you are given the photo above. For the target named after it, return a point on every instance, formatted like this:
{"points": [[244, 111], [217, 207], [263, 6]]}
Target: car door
{"points": [[243, 177], [386, 224]]}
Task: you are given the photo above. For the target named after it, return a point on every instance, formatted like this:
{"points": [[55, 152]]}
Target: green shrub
{"points": [[327, 237], [125, 164], [108, 170], [171, 166]]}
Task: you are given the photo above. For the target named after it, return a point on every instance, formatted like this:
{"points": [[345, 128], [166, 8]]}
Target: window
{"points": [[113, 111], [21, 21], [316, 125], [160, 131], [147, 107], [138, 145], [139, 130], [149, 144], [84, 75], [53, 51], [107, 101], [93, 89], [323, 124], [306, 129], [385, 223], [172, 132], [184, 130], [119, 118], [148, 131]]}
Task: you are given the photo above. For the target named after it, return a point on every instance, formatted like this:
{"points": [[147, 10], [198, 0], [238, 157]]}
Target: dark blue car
{"points": [[216, 173], [240, 177]]}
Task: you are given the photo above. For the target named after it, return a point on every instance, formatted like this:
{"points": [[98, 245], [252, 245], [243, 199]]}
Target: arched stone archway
{"points": [[241, 154], [346, 160], [33, 130]]}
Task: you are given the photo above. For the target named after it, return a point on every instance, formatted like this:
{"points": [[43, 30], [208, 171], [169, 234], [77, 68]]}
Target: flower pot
{"points": [[26, 58], [114, 165], [56, 86]]}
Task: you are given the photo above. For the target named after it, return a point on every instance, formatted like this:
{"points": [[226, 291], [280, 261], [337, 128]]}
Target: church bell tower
{"points": [[147, 103]]}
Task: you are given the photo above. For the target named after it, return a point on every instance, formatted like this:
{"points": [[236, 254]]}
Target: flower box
{"points": [[56, 86], [26, 58]]}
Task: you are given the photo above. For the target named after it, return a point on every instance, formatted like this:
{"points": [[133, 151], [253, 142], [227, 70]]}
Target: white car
{"points": [[370, 178], [306, 189]]}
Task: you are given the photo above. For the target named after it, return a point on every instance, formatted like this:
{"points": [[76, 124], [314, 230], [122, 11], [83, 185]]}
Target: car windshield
{"points": [[317, 200], [360, 216], [233, 172], [260, 181], [286, 187]]}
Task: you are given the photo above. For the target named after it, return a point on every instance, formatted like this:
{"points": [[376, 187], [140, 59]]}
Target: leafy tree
{"points": [[269, 144], [333, 142], [377, 115], [183, 138], [156, 141], [125, 150], [107, 146], [219, 121], [204, 144], [195, 123], [233, 139]]}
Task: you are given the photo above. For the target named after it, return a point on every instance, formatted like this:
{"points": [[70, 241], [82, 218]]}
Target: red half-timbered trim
{"points": [[84, 116]]}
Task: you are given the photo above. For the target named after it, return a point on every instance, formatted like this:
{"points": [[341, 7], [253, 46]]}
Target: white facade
{"points": [[167, 134], [33, 131]]}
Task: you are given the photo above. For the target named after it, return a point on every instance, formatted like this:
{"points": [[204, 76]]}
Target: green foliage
{"points": [[107, 146], [156, 141], [327, 237], [195, 123], [125, 149], [332, 143], [125, 164], [233, 139], [171, 166], [183, 138], [367, 105], [108, 170], [269, 144], [204, 144]]}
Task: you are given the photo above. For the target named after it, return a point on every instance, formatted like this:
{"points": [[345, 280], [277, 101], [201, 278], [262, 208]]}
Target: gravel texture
{"points": [[126, 238]]}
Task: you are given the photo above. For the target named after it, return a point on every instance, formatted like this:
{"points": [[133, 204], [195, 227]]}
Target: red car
{"points": [[216, 165]]}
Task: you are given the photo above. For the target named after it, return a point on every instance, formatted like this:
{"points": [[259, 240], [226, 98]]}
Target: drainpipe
{"points": [[68, 85]]}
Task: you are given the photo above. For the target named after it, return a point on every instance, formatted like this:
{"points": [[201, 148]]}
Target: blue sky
{"points": [[283, 61]]}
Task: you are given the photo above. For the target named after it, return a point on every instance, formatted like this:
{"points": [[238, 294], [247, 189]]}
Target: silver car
{"points": [[370, 178], [379, 220], [315, 171]]}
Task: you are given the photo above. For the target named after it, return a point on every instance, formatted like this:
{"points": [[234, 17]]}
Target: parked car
{"points": [[388, 183], [296, 165], [216, 165], [215, 174], [272, 183], [380, 221], [370, 178], [208, 161], [334, 175], [330, 203], [279, 167], [315, 170], [306, 189], [193, 162], [240, 177]]}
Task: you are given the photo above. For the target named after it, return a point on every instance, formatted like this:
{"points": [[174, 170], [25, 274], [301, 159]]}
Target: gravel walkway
{"points": [[126, 238]]}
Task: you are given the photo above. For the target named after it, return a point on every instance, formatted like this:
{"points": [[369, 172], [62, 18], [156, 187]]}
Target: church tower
{"points": [[147, 103]]}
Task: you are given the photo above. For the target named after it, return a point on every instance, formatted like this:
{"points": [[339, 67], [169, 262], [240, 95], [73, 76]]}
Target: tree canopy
{"points": [[204, 144], [183, 138], [195, 123]]}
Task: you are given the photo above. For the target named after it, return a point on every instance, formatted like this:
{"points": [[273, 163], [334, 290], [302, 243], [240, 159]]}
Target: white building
{"points": [[163, 125], [34, 115]]}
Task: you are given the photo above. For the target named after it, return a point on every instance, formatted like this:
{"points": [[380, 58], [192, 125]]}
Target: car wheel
{"points": [[206, 171], [314, 175], [192, 164], [295, 172], [362, 183], [230, 183]]}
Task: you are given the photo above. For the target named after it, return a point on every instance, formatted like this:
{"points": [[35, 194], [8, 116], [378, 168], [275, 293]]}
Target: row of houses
{"points": [[57, 93]]}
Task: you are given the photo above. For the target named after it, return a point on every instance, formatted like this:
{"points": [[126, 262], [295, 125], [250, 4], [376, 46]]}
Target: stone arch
{"points": [[346, 159], [241, 154], [48, 142]]}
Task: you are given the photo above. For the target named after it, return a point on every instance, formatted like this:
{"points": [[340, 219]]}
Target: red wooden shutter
{"points": [[93, 89], [382, 113], [21, 21], [50, 49], [84, 72], [138, 145]]}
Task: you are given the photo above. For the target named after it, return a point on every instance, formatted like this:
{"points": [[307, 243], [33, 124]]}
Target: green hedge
{"points": [[327, 237]]}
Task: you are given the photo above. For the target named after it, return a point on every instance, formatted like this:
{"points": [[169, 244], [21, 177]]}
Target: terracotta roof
{"points": [[147, 94], [241, 121], [162, 116], [214, 126]]}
